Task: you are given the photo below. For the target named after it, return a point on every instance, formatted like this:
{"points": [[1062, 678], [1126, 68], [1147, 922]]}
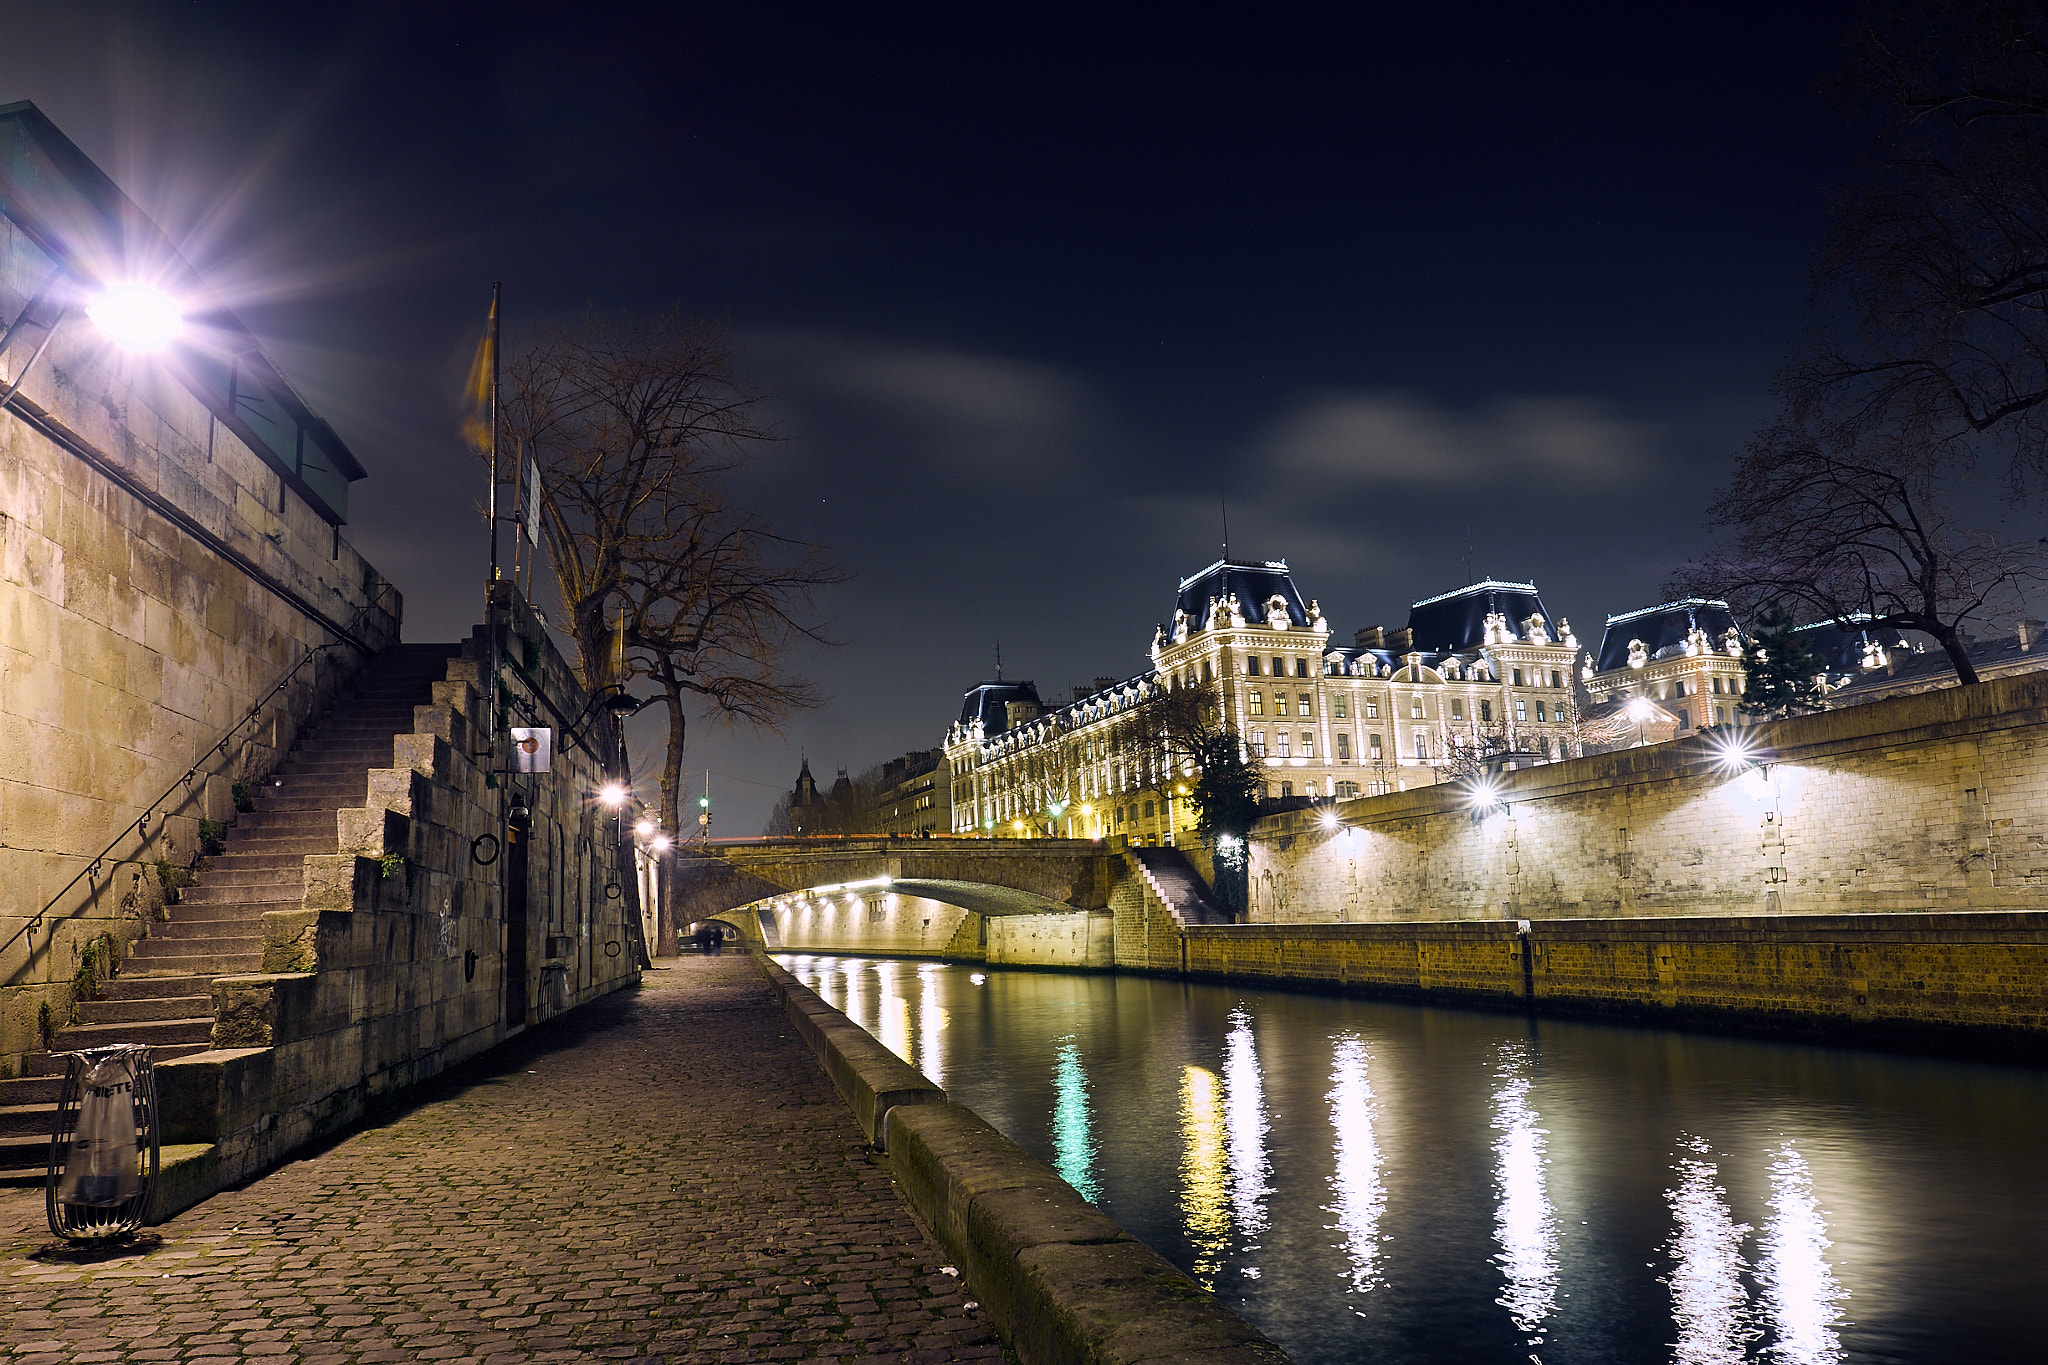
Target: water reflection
{"points": [[1244, 1100], [1707, 1298], [1801, 1295], [932, 1019], [1525, 1224], [1360, 1197], [892, 1014], [1204, 1175], [1073, 1138]]}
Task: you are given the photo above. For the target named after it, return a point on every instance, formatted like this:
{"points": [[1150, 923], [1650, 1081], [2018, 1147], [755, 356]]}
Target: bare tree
{"points": [[1934, 280], [1181, 727], [1849, 524]]}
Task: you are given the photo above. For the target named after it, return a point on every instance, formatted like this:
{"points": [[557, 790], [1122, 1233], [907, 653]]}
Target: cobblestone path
{"points": [[666, 1175]]}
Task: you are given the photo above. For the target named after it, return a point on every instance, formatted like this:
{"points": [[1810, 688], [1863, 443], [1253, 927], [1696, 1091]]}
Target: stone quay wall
{"points": [[1923, 803], [130, 646], [395, 966], [1965, 975]]}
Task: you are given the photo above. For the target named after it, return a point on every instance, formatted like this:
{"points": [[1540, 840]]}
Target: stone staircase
{"points": [[1179, 887], [163, 995]]}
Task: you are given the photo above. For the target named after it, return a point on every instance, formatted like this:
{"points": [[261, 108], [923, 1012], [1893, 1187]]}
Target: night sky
{"points": [[1033, 288]]}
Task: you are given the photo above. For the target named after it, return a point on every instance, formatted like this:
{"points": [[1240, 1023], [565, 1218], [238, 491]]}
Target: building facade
{"points": [[1479, 670], [1686, 656]]}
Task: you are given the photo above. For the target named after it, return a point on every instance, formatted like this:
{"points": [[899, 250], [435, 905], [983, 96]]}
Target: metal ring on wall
{"points": [[611, 947], [612, 891], [477, 848]]}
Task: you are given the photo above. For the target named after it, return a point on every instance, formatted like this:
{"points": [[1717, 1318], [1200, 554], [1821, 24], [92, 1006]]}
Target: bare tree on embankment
{"points": [[635, 425]]}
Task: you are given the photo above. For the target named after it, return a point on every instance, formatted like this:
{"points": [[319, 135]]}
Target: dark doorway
{"points": [[515, 925]]}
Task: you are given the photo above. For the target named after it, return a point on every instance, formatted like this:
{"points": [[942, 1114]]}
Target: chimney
{"points": [[2030, 634], [1104, 684], [1372, 637], [1401, 641]]}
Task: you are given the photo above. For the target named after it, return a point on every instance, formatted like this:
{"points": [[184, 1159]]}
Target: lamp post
{"points": [[1640, 710]]}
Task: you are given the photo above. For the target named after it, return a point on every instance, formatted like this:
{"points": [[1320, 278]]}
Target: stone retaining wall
{"points": [[1062, 1283]]}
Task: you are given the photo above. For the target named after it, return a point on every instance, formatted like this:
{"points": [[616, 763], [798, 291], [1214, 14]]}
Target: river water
{"points": [[1381, 1182]]}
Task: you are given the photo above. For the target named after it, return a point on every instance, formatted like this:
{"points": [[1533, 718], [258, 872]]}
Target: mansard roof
{"points": [[987, 703], [1663, 630], [1455, 621], [1254, 582], [1841, 651]]}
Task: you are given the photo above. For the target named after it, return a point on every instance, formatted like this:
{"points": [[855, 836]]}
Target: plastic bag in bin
{"points": [[103, 1165]]}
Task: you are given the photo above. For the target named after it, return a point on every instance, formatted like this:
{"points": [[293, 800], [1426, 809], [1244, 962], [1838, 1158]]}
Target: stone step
{"points": [[144, 1011], [190, 963], [43, 1090], [155, 987], [260, 893], [24, 1152], [285, 873], [189, 911], [77, 1037], [239, 860], [272, 823], [221, 936], [29, 1120]]}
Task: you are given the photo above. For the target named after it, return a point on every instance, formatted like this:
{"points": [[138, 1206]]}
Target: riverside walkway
{"points": [[666, 1175]]}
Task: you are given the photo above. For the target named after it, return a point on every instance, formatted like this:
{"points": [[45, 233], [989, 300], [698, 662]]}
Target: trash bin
{"points": [[104, 1153]]}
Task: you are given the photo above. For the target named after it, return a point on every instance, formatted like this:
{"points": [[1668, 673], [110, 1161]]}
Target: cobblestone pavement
{"points": [[665, 1175]]}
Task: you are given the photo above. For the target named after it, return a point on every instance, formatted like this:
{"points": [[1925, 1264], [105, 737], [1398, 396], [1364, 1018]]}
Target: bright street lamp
{"points": [[136, 316], [612, 794]]}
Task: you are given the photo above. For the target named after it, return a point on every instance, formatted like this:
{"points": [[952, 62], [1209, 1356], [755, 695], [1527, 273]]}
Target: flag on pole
{"points": [[532, 523], [476, 394]]}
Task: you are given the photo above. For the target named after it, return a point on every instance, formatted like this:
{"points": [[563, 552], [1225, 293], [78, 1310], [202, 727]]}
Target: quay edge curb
{"points": [[1060, 1281]]}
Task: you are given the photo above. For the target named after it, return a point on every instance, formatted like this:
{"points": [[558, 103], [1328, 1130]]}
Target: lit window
{"points": [[1305, 706], [1372, 709], [1258, 701], [1415, 709], [1521, 709], [1282, 738], [1347, 789], [1308, 745], [1421, 745], [1373, 745], [1343, 748], [1457, 708], [1343, 706], [1259, 743]]}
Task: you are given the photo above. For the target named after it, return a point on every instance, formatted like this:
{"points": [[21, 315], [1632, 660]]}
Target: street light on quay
{"points": [[139, 317]]}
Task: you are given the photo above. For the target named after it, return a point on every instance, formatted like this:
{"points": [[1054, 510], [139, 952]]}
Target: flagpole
{"points": [[491, 589]]}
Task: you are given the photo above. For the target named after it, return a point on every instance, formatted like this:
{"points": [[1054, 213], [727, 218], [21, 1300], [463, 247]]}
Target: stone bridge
{"points": [[997, 899]]}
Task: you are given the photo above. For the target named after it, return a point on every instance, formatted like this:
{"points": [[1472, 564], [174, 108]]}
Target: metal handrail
{"points": [[218, 749]]}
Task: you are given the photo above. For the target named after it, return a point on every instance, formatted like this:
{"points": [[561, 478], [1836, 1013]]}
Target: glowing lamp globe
{"points": [[612, 794], [644, 828], [136, 316], [661, 844]]}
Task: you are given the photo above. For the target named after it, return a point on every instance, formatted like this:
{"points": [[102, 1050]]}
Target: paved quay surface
{"points": [[665, 1175]]}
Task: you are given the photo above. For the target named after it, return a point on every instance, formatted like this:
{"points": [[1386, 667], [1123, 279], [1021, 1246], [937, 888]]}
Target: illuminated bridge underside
{"points": [[980, 898]]}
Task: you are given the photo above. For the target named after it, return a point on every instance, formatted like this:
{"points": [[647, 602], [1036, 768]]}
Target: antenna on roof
{"points": [[999, 661], [1468, 554], [1226, 526]]}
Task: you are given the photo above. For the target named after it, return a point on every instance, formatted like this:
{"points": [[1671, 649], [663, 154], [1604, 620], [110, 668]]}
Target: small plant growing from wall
{"points": [[46, 1024], [95, 965], [173, 879], [213, 838], [397, 864], [245, 800]]}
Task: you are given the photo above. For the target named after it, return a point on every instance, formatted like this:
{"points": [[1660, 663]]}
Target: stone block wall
{"points": [[131, 643], [1922, 803], [395, 965]]}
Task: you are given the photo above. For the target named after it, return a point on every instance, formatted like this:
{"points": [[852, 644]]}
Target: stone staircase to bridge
{"points": [[1178, 887], [163, 994]]}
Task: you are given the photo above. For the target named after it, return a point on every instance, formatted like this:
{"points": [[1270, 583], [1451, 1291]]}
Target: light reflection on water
{"points": [[1708, 1300], [1375, 1181], [1525, 1224], [1072, 1134], [1801, 1296], [1204, 1173], [1360, 1197]]}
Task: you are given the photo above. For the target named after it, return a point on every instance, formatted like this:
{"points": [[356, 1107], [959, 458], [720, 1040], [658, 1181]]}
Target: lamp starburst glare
{"points": [[139, 317]]}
